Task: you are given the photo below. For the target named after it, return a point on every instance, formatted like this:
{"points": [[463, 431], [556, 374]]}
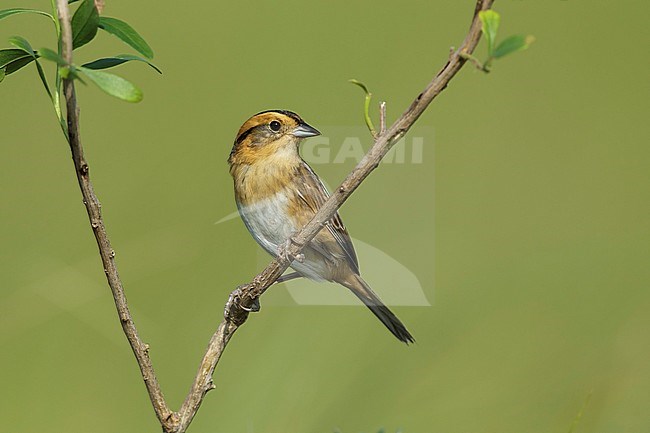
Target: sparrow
{"points": [[277, 193]]}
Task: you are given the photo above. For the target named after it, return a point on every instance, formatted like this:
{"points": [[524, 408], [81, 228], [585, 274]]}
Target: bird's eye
{"points": [[275, 126]]}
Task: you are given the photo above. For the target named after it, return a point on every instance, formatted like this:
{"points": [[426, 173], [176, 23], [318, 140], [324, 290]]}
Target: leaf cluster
{"points": [[490, 21], [86, 24]]}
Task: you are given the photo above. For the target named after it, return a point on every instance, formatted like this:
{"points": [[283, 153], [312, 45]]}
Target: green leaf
{"points": [[113, 85], [512, 44], [14, 11], [52, 56], [22, 44], [490, 20], [41, 74], [127, 34], [2, 74], [360, 84], [84, 24], [11, 55], [17, 64], [109, 62]]}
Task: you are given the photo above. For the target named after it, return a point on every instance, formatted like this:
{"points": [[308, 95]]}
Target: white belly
{"points": [[267, 221]]}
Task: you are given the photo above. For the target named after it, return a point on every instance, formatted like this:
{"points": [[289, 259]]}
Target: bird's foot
{"points": [[254, 307], [237, 299], [283, 252], [288, 277]]}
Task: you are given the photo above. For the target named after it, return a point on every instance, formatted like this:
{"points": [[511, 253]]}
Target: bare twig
{"points": [[99, 5], [245, 298], [382, 117], [93, 207]]}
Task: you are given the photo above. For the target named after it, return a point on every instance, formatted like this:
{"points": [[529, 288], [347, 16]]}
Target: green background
{"points": [[527, 224]]}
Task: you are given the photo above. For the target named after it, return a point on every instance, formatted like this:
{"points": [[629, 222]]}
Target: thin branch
{"points": [[382, 117], [245, 298], [93, 207], [99, 5]]}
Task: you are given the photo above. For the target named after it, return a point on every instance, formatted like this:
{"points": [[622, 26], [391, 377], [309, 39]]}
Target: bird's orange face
{"points": [[265, 153], [267, 134]]}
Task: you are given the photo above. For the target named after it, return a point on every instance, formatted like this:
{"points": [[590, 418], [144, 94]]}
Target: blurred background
{"points": [[523, 229]]}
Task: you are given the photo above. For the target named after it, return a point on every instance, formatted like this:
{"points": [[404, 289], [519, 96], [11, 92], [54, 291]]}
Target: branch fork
{"points": [[245, 298]]}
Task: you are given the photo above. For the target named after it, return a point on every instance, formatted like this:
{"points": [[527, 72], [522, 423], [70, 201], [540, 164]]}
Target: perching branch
{"points": [[245, 298], [93, 207]]}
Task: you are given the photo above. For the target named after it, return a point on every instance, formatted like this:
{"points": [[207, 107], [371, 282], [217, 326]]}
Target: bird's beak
{"points": [[303, 130]]}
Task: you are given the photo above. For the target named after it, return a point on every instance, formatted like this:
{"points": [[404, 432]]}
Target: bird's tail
{"points": [[363, 291]]}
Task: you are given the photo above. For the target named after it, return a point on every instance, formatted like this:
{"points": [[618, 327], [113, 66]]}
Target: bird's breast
{"points": [[264, 179], [268, 219]]}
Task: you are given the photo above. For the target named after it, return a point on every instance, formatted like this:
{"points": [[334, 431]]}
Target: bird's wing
{"points": [[312, 193]]}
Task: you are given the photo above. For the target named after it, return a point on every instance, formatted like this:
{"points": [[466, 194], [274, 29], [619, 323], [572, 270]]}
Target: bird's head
{"points": [[270, 134]]}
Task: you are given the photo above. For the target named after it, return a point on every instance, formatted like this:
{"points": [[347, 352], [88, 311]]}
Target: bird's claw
{"points": [[254, 308], [235, 299], [283, 252]]}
